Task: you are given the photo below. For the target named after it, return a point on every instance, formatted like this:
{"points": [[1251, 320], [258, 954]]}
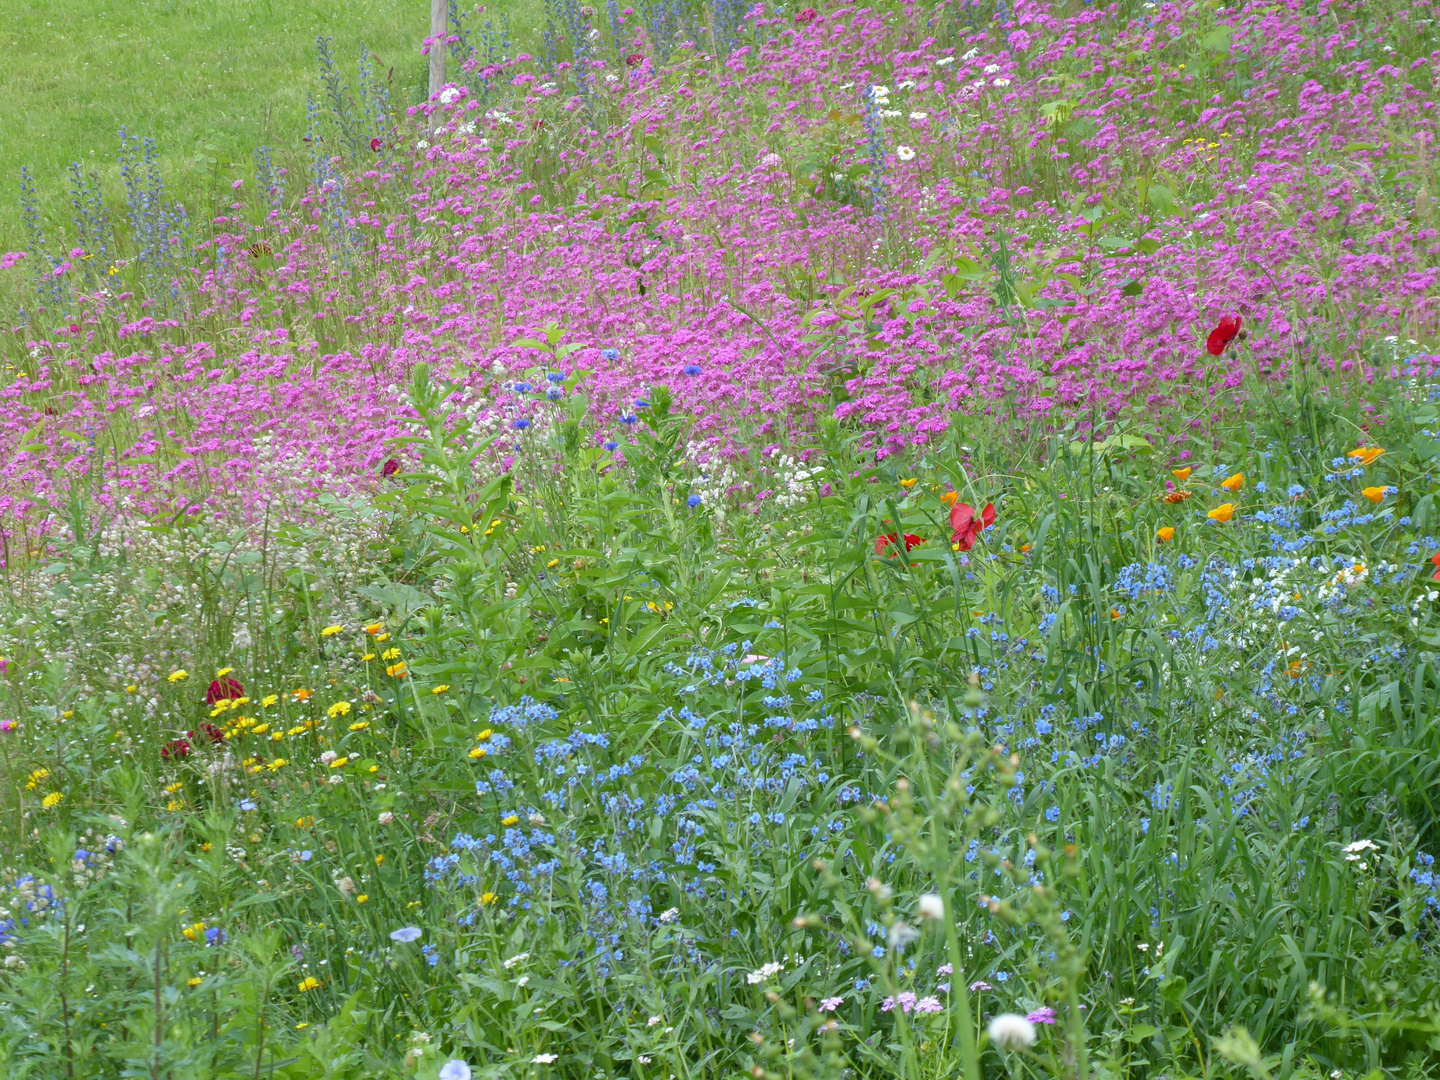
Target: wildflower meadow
{"points": [[737, 540]]}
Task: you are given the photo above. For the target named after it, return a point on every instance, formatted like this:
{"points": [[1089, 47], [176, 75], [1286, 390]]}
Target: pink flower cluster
{"points": [[704, 237]]}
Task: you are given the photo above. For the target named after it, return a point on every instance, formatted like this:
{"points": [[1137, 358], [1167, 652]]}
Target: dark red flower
{"points": [[74, 328], [967, 526], [224, 689], [1222, 335], [390, 468], [806, 17], [884, 542], [213, 732], [634, 60], [377, 145], [175, 748], [1436, 560]]}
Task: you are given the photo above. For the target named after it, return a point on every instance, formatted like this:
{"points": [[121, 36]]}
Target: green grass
{"points": [[209, 81]]}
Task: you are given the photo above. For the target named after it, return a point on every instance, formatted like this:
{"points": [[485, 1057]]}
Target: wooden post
{"points": [[439, 31]]}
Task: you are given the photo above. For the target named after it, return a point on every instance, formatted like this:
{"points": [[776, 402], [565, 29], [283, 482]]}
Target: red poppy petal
{"points": [[961, 514], [1215, 344], [988, 516]]}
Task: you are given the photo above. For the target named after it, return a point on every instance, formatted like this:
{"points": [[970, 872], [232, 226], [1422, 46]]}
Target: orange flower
{"points": [[1375, 494], [1024, 549], [1176, 497], [1233, 483], [1223, 512], [1366, 455], [1166, 534], [948, 499], [1182, 474], [303, 695]]}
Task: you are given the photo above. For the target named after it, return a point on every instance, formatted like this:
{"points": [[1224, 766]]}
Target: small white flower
{"points": [[1002, 83], [902, 934], [517, 959], [945, 61], [908, 84], [932, 906], [543, 1059], [386, 817], [644, 1059], [758, 976], [328, 756], [421, 144], [455, 1070], [919, 115], [904, 153], [991, 69], [448, 95], [669, 915], [971, 54], [1012, 1031], [652, 1021]]}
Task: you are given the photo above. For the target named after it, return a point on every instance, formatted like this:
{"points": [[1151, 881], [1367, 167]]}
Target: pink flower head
{"points": [[8, 727], [806, 17], [980, 986], [830, 1004], [928, 1005], [1043, 1015]]}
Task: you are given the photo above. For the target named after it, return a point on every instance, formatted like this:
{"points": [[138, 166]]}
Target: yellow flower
{"points": [[194, 932], [332, 630], [396, 670], [174, 806], [339, 762], [1233, 483], [604, 621], [268, 700], [910, 483], [389, 654], [278, 763], [33, 781], [304, 822], [360, 898], [1223, 512], [259, 729], [205, 846], [1182, 474], [68, 714], [552, 564], [223, 672], [196, 981], [441, 688], [488, 898], [380, 859], [374, 628], [309, 983], [367, 657], [298, 729], [132, 688], [54, 799], [360, 725], [477, 752], [1366, 455], [1375, 494], [1166, 534], [178, 676], [382, 637], [485, 734], [276, 736], [340, 708], [172, 788], [510, 819]]}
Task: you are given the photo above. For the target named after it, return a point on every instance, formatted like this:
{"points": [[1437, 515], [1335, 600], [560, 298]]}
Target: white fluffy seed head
{"points": [[1012, 1031]]}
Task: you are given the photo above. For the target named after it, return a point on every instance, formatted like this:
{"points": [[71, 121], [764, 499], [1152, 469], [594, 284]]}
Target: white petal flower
{"points": [[932, 906], [904, 153], [543, 1059]]}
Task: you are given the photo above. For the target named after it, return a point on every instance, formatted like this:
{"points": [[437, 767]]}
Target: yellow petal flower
{"points": [[1166, 534], [1375, 494], [1223, 512], [1233, 483], [441, 688], [1366, 455], [910, 483], [178, 676], [1182, 474], [331, 631]]}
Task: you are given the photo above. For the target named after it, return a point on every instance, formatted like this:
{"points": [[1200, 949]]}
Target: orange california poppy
{"points": [[1166, 534], [1223, 512], [1233, 483]]}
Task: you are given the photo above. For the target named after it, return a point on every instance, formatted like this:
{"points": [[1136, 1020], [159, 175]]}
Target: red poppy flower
{"points": [[634, 60], [390, 468], [1436, 560], [967, 526], [176, 748], [1222, 335], [226, 689], [377, 145], [884, 542], [806, 17]]}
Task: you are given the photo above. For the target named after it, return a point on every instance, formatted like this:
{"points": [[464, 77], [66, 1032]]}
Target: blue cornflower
{"points": [[609, 354], [555, 393], [556, 376], [692, 369], [611, 445], [520, 424], [642, 403], [523, 388], [693, 501], [214, 935], [628, 418]]}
